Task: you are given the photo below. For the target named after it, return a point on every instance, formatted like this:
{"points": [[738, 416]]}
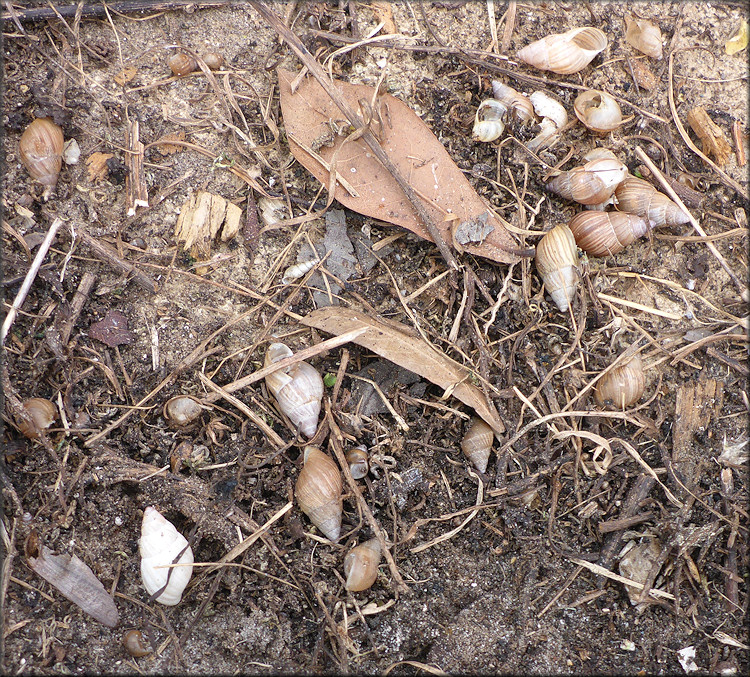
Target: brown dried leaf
{"points": [[643, 74], [112, 330], [165, 148], [394, 342], [97, 164], [126, 75], [313, 120], [714, 141]]}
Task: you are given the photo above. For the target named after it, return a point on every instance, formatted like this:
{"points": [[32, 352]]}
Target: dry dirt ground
{"points": [[513, 586]]}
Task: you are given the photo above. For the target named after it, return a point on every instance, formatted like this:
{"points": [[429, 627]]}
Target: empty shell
{"points": [[645, 36], [639, 197], [591, 184], [43, 414], [622, 386], [182, 64], [565, 53], [361, 565], [518, 104], [554, 117], [40, 149], [182, 410], [606, 233], [488, 121], [358, 462], [477, 443], [318, 492], [598, 111], [557, 263]]}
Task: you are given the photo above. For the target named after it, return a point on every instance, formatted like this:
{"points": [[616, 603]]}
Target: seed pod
{"points": [[135, 644], [622, 386], [361, 565], [518, 104], [182, 64], [358, 462], [557, 263], [43, 412], [645, 36], [477, 443], [160, 544], [182, 410], [213, 60], [591, 184], [605, 233], [639, 197], [318, 492], [488, 121], [598, 111], [40, 149], [554, 117], [565, 53], [298, 389]]}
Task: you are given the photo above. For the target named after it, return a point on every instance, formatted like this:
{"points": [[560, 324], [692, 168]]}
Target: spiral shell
{"points": [[298, 389], [361, 565], [182, 64], [160, 543], [518, 104], [598, 111], [181, 410], [554, 117], [645, 36], [40, 149], [358, 461], [557, 263], [135, 644], [43, 413], [477, 443], [605, 233], [488, 121], [213, 60], [639, 197], [622, 386], [591, 184], [318, 492], [565, 53]]}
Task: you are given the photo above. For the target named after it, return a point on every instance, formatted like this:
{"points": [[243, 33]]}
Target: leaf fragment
{"points": [[738, 41]]}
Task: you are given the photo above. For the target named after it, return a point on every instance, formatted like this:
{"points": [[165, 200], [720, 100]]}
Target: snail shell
{"points": [[565, 53], [182, 409], [361, 565], [488, 121], [358, 462], [591, 184], [477, 443], [554, 117], [182, 64], [213, 60], [160, 543], [645, 36], [557, 263], [40, 149], [318, 492], [297, 389], [639, 197], [622, 386], [605, 233], [135, 644], [518, 104], [298, 270], [43, 413], [598, 111]]}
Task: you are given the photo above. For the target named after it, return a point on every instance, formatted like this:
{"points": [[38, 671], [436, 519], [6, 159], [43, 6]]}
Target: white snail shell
{"points": [[361, 565], [518, 104], [554, 117], [477, 443], [622, 386], [593, 183], [598, 111], [565, 53], [318, 492], [298, 389], [606, 233], [639, 197], [645, 36], [160, 543], [488, 120], [297, 271], [557, 263]]}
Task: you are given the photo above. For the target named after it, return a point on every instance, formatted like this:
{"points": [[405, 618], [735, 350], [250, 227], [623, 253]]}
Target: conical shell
{"points": [[598, 111], [318, 492], [639, 197], [40, 149], [517, 103], [477, 443], [297, 389], [557, 263], [361, 565], [605, 233], [591, 184], [160, 543], [645, 36], [622, 386], [565, 53]]}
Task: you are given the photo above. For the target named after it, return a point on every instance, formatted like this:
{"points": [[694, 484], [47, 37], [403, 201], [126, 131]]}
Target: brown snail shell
{"points": [[43, 412], [358, 461], [591, 184], [598, 111], [518, 104], [361, 565], [135, 644], [622, 386], [182, 64], [213, 60], [565, 53], [645, 36], [182, 410], [477, 443], [639, 197], [557, 263], [298, 389], [488, 121], [605, 233], [318, 492], [40, 149]]}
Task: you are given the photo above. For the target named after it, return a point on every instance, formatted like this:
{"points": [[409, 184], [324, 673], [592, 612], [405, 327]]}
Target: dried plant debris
{"points": [[473, 230], [714, 140], [204, 217], [636, 564], [97, 166], [387, 375], [738, 41], [112, 330]]}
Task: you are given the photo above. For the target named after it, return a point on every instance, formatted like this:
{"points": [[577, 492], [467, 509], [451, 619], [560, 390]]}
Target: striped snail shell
{"points": [[477, 443], [598, 111], [606, 233], [591, 184], [554, 117], [488, 121], [40, 149], [622, 386], [645, 36], [182, 64], [639, 197], [361, 565], [318, 492], [43, 414], [358, 461], [565, 53], [557, 263], [518, 104]]}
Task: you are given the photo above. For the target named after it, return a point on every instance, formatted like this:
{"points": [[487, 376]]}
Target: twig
{"points": [[99, 9], [135, 183], [76, 306]]}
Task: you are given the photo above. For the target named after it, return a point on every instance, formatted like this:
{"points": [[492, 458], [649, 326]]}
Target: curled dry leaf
{"points": [[97, 166], [126, 75], [312, 118], [395, 342]]}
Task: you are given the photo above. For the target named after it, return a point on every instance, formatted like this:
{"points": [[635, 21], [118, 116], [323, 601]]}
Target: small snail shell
{"points": [[598, 111], [605, 233], [181, 410], [477, 443], [43, 412], [591, 184], [361, 565], [622, 386], [565, 53], [639, 197], [135, 644], [554, 117], [298, 270], [297, 389], [318, 492], [357, 460], [488, 121], [518, 104], [160, 543], [645, 36], [182, 64], [213, 60], [40, 149], [557, 263]]}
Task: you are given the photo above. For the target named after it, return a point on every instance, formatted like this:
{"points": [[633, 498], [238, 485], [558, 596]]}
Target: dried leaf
{"points": [[395, 342], [643, 74], [714, 141], [97, 164], [738, 41], [314, 121], [112, 330], [165, 148], [125, 75]]}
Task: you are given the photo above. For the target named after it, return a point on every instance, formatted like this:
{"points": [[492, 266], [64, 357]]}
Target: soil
{"points": [[511, 587]]}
